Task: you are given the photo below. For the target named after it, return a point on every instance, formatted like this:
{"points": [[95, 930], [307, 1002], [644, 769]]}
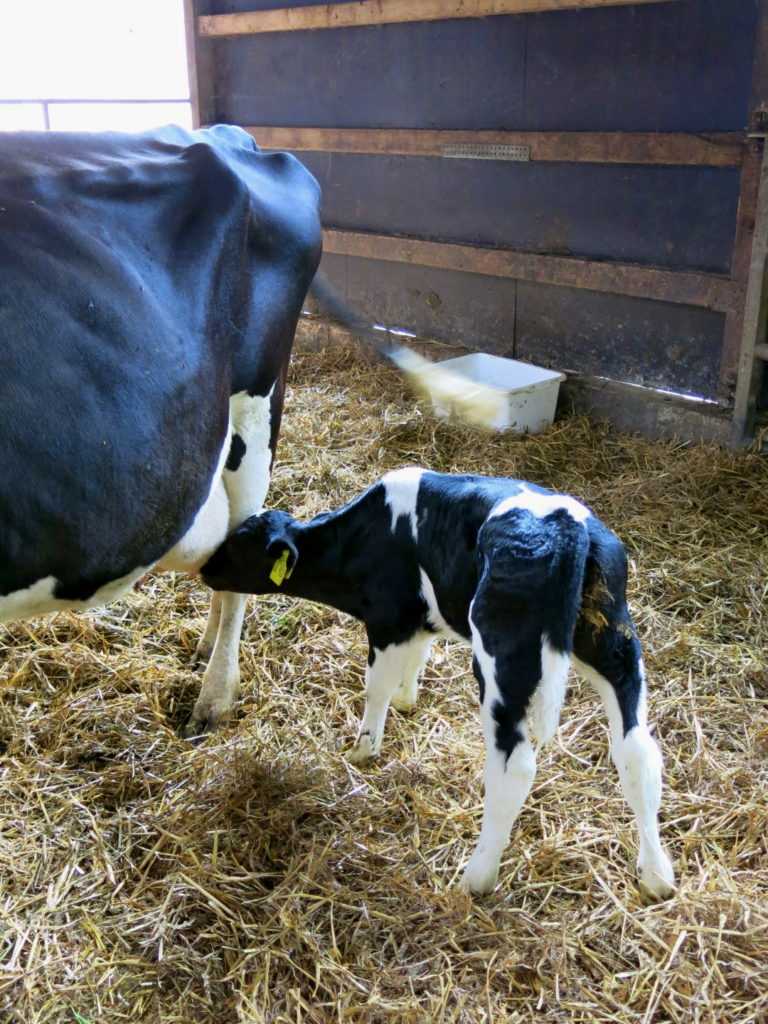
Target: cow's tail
{"points": [[450, 392]]}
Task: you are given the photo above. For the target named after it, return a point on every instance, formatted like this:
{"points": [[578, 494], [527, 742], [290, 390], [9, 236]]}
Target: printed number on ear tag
{"points": [[280, 570]]}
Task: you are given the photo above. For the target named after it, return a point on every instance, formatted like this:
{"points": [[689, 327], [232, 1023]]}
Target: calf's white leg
{"points": [[392, 675], [508, 776], [638, 762], [508, 782]]}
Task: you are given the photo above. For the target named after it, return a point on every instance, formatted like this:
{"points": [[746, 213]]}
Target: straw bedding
{"points": [[259, 877]]}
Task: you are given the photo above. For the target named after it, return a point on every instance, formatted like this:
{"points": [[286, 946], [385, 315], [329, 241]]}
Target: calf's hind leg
{"points": [[621, 686], [506, 684]]}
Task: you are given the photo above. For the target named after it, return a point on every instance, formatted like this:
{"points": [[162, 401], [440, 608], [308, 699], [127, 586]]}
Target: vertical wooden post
{"points": [[747, 332], [755, 317], [200, 68]]}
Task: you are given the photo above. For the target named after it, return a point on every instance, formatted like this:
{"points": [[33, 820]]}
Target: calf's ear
{"points": [[285, 556], [281, 547]]}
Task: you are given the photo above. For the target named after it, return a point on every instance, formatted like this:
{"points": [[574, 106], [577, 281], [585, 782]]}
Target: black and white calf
{"points": [[533, 580]]}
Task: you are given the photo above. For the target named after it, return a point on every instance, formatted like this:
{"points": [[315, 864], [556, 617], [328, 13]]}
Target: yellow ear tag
{"points": [[280, 570]]}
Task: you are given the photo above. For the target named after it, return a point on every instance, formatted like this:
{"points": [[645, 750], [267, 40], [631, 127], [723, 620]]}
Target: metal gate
{"points": [[570, 182]]}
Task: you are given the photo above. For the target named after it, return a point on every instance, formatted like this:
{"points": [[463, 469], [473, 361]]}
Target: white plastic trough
{"points": [[512, 395]]}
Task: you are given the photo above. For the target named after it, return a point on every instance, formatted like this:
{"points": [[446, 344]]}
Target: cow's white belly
{"points": [[39, 599], [208, 530], [232, 496]]}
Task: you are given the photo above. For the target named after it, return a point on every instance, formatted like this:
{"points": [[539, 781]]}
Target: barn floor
{"points": [[259, 877]]}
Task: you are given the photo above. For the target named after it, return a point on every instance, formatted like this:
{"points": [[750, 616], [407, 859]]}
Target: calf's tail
{"points": [[562, 595]]}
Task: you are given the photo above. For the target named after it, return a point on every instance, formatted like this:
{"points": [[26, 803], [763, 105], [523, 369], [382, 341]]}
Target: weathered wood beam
{"points": [[755, 316], [718, 149], [740, 261], [195, 71], [739, 376], [374, 12], [710, 291]]}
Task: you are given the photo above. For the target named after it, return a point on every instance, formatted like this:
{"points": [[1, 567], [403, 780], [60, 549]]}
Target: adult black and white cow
{"points": [[531, 579], [149, 291]]}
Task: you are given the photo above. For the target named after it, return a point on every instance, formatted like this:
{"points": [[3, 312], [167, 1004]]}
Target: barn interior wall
{"points": [[671, 67]]}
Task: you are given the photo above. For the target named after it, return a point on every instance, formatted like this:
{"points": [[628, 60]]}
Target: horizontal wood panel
{"points": [[715, 150], [706, 290], [677, 67], [645, 342], [640, 340], [681, 218], [374, 12], [447, 305]]}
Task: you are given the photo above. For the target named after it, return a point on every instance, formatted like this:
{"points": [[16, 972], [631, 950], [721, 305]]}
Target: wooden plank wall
{"points": [[620, 250]]}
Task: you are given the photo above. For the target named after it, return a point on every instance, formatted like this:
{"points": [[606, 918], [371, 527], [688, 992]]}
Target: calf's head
{"points": [[256, 557]]}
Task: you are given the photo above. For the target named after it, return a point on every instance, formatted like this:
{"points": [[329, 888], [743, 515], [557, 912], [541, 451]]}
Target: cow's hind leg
{"points": [[617, 674], [205, 644], [392, 675], [246, 478], [221, 681]]}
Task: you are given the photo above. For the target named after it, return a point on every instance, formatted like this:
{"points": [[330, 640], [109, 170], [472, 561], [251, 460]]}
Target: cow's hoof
{"points": [[201, 657], [196, 731], [480, 876], [657, 878], [202, 723], [362, 751]]}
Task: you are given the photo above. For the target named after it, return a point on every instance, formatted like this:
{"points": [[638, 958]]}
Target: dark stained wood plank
{"points": [[711, 291], [676, 67], [443, 305], [642, 341], [374, 12], [676, 218], [719, 149]]}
